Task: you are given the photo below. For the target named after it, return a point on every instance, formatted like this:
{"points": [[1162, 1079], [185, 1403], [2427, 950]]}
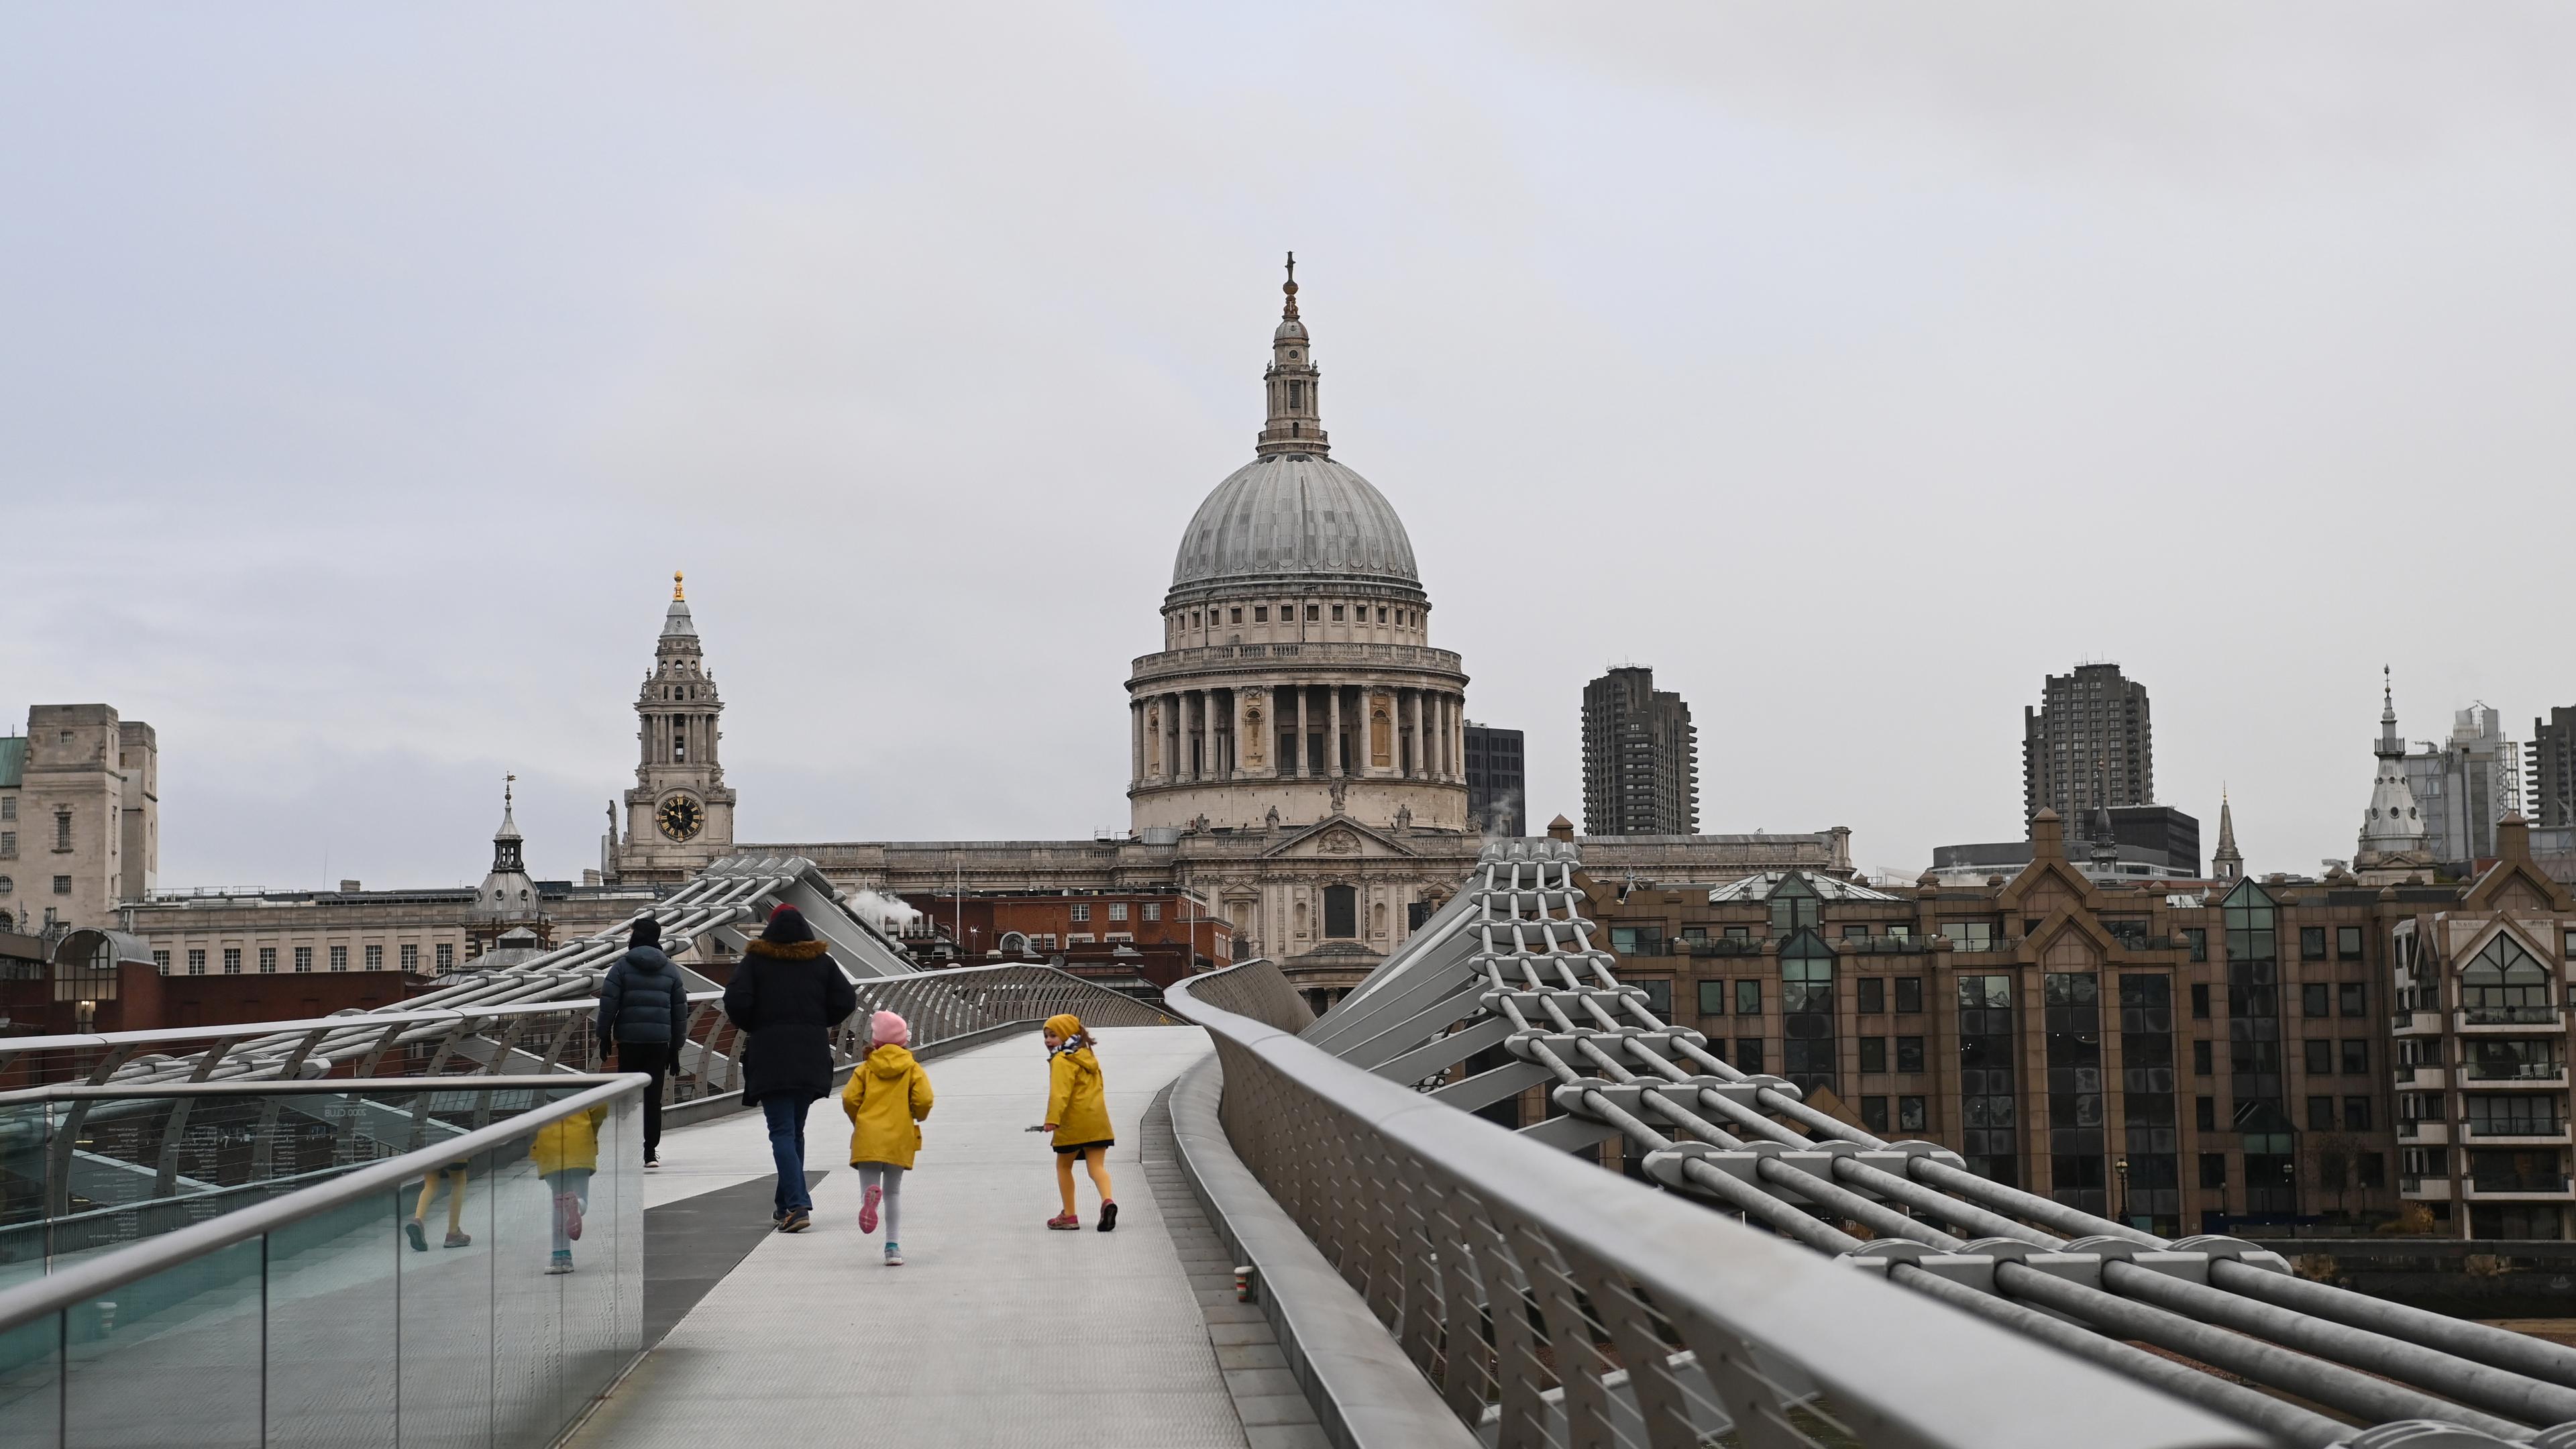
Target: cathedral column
{"points": [[1135, 744], [1333, 737], [1289, 704], [1208, 769], [1413, 703]]}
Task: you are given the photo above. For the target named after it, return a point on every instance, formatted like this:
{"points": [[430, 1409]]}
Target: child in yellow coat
{"points": [[886, 1099], [1078, 1115], [567, 1154]]}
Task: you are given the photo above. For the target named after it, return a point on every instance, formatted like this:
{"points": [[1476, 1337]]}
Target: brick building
{"points": [[2183, 1055]]}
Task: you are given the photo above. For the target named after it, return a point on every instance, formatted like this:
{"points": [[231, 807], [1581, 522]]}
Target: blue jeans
{"points": [[787, 1144]]}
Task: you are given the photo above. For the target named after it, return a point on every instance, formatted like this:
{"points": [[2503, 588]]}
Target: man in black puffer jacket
{"points": [[786, 997], [643, 1008]]}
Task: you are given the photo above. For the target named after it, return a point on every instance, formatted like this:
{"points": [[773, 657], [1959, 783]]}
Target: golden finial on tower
{"points": [[677, 596]]}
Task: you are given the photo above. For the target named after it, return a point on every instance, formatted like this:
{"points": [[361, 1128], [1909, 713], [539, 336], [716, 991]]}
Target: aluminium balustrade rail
{"points": [[1510, 963]]}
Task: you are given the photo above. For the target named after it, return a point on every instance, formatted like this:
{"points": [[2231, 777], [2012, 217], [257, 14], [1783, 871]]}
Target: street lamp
{"points": [[2120, 1166]]}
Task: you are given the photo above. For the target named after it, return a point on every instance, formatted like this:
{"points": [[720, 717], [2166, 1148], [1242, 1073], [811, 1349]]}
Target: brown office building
{"points": [[2185, 1055]]}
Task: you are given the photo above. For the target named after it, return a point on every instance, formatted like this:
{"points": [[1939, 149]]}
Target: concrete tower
{"points": [[679, 816]]}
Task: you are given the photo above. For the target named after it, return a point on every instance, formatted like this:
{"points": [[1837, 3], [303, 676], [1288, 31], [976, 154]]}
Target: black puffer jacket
{"points": [[787, 995], [642, 999]]}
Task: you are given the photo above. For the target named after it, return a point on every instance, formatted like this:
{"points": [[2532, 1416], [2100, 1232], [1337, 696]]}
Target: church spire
{"points": [[2391, 746], [2393, 823], [507, 844], [2226, 862], [1292, 384]]}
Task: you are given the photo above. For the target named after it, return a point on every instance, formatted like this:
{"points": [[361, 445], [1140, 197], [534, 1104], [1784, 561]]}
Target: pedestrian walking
{"points": [[887, 1099], [1078, 1114], [643, 1012], [567, 1154], [786, 997]]}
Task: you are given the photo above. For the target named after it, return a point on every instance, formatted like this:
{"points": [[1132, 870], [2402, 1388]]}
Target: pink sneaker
{"points": [[568, 1215], [868, 1210]]}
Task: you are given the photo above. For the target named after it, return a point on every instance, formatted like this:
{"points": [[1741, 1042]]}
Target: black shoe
{"points": [[650, 1161], [796, 1221], [1109, 1217]]}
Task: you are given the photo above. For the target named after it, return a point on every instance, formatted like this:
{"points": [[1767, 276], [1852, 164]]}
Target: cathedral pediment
{"points": [[1340, 838]]}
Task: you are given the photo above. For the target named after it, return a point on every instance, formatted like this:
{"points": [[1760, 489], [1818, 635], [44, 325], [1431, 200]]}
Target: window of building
{"points": [[1659, 997], [232, 960], [1313, 613], [2353, 998], [2356, 1114], [1873, 1054], [1415, 913], [339, 958], [1694, 933], [1261, 613], [1748, 1054], [62, 885], [2198, 939], [1970, 935], [2320, 1056], [1153, 910], [2204, 1113], [1043, 940], [1873, 1114], [1909, 995], [62, 830], [1739, 933], [2348, 942], [375, 958], [1381, 616], [1855, 932], [1117, 910], [1081, 911], [2321, 1116], [1748, 998], [2504, 983], [196, 962], [1337, 613], [161, 962], [8, 807], [2314, 997], [1712, 998], [411, 958], [1077, 938], [2312, 943], [1873, 994], [1910, 1116], [1234, 615], [2356, 1056], [446, 955], [2213, 1169], [268, 960], [2370, 1169], [1793, 905], [1988, 1103], [303, 958], [2200, 998], [1341, 912], [1909, 1053], [2567, 944], [2201, 1064]]}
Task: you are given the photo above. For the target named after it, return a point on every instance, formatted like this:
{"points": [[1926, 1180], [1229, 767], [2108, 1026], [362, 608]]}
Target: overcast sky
{"points": [[365, 371]]}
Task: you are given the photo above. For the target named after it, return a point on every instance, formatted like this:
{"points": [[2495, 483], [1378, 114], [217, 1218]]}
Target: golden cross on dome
{"points": [[676, 595]]}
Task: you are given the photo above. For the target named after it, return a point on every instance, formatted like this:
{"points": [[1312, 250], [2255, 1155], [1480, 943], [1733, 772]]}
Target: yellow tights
{"points": [[455, 1197], [1095, 1158]]}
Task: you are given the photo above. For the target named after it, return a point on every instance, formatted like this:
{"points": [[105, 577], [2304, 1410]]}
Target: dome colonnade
{"points": [[1297, 681]]}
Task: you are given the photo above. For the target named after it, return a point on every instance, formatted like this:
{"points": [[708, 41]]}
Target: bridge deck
{"points": [[996, 1331]]}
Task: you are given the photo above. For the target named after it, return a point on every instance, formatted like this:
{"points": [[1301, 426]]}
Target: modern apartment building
{"points": [[2549, 770], [2465, 785], [1640, 757], [2088, 745]]}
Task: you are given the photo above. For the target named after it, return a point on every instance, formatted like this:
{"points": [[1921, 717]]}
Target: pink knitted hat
{"points": [[887, 1029]]}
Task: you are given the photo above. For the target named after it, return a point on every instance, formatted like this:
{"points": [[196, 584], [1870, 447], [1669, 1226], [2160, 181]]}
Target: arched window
{"points": [[1341, 912], [8, 922], [2504, 982]]}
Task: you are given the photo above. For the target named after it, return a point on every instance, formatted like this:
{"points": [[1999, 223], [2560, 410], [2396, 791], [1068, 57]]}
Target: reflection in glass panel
{"points": [[192, 1333], [333, 1341], [30, 1385], [1991, 1143], [446, 1297]]}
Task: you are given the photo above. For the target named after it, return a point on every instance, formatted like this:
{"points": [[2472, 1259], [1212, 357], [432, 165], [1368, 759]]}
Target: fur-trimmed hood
{"points": [[786, 951]]}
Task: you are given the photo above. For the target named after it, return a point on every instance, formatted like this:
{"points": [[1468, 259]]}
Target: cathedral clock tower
{"points": [[679, 816]]}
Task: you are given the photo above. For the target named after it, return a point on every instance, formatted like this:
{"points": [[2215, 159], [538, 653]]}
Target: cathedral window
{"points": [[1337, 613], [1341, 911], [1234, 616], [1314, 612], [1296, 394], [1261, 613], [1381, 616]]}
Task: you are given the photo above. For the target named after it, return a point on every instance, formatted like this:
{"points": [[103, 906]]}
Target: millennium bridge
{"points": [[1321, 1241]]}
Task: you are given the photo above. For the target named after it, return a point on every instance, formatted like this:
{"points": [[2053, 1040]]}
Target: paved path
{"points": [[996, 1332]]}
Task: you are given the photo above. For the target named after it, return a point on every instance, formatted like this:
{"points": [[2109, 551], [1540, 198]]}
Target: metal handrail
{"points": [[54, 1293], [1438, 1219]]}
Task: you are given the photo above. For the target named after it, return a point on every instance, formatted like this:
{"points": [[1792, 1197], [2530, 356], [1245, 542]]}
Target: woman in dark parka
{"points": [[786, 996]]}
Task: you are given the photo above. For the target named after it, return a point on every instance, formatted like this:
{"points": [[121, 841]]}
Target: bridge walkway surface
{"points": [[995, 1332]]}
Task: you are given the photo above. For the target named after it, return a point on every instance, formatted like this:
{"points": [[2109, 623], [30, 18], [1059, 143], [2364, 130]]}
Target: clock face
{"points": [[681, 817]]}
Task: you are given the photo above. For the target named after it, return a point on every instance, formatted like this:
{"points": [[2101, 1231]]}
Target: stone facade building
{"points": [[679, 815], [80, 817]]}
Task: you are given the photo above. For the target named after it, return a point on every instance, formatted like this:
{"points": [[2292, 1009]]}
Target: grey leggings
{"points": [[889, 1177]]}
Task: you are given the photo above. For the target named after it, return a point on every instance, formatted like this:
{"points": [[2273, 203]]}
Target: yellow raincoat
{"points": [[1077, 1102], [886, 1099], [570, 1142]]}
